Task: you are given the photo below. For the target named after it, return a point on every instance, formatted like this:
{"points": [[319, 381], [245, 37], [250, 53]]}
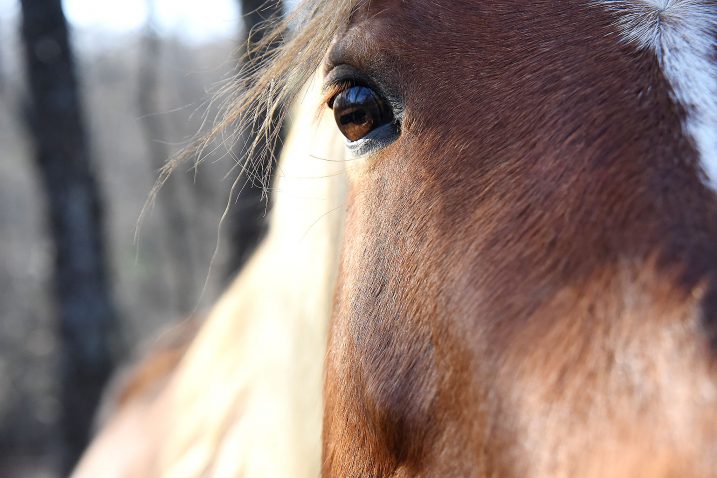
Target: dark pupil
{"points": [[358, 111]]}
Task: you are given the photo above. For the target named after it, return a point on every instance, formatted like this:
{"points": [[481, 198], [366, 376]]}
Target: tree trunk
{"points": [[2, 64], [177, 228], [85, 310], [247, 222]]}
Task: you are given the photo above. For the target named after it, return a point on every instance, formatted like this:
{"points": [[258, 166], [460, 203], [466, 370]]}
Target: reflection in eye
{"points": [[360, 110]]}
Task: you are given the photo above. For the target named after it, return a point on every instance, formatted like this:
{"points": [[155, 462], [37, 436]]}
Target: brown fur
{"points": [[522, 275]]}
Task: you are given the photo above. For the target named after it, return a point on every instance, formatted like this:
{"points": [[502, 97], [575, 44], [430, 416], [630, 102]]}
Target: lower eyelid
{"points": [[377, 139]]}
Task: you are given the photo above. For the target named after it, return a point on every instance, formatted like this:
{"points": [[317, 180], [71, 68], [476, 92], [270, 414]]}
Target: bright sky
{"points": [[195, 19]]}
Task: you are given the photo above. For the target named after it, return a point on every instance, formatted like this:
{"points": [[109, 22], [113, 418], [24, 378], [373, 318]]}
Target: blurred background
{"points": [[95, 96]]}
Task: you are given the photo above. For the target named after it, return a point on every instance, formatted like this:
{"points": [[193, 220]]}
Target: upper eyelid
{"points": [[346, 74], [341, 78]]}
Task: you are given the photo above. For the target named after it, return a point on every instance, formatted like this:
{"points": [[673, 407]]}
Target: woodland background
{"points": [[84, 128]]}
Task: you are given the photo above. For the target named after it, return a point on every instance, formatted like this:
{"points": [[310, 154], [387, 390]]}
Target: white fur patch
{"points": [[682, 35]]}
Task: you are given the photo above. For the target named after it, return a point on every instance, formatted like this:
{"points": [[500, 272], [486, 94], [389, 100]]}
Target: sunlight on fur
{"points": [[246, 399]]}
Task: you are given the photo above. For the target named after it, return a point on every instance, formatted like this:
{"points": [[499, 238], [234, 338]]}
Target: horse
{"points": [[511, 267]]}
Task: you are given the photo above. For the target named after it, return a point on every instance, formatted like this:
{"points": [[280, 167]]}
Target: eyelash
{"points": [[334, 89]]}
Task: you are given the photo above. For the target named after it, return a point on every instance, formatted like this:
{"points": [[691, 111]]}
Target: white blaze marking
{"points": [[682, 35]]}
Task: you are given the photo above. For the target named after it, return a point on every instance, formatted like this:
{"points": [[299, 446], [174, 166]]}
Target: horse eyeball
{"points": [[359, 110]]}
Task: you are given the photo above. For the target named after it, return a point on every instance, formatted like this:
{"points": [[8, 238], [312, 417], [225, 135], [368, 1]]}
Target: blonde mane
{"points": [[249, 389], [269, 80], [245, 398]]}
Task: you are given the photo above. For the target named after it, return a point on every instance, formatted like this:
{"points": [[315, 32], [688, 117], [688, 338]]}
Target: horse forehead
{"points": [[682, 35], [640, 20]]}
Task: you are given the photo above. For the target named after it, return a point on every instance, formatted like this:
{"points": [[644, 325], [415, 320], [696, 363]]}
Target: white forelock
{"points": [[682, 34]]}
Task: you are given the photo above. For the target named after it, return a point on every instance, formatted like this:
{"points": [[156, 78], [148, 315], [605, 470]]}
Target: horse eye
{"points": [[360, 110]]}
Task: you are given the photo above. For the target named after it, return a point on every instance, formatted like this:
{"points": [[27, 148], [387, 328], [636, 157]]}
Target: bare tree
{"points": [[85, 309], [247, 222], [2, 62], [176, 228]]}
